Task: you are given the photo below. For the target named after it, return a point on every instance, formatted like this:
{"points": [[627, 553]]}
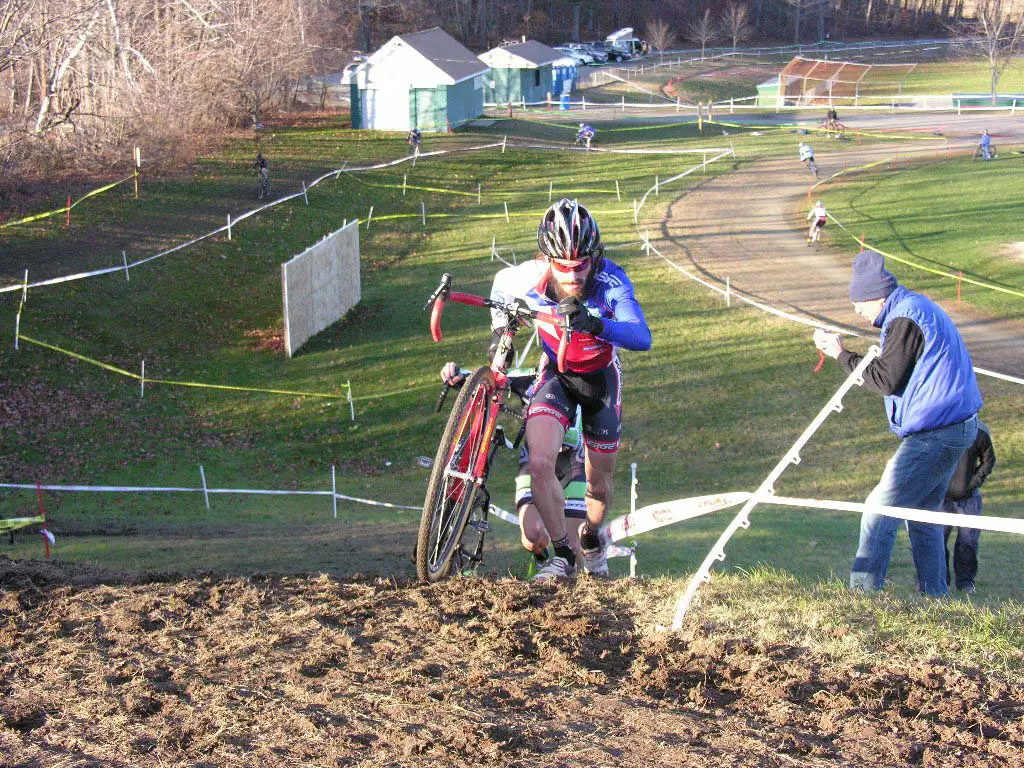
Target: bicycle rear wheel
{"points": [[451, 493]]}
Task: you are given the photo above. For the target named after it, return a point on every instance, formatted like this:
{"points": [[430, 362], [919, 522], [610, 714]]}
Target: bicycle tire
{"points": [[449, 500]]}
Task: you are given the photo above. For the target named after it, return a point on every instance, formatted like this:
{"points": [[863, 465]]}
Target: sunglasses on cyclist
{"points": [[568, 265]]}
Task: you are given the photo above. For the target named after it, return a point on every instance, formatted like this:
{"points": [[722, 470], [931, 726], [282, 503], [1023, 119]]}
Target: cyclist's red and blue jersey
{"points": [[592, 380], [611, 299]]}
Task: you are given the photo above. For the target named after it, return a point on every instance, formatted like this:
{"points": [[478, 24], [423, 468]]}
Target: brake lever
{"points": [[443, 289], [440, 399]]}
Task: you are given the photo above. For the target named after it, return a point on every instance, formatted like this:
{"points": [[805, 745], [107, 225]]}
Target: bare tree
{"points": [[660, 35], [995, 34], [736, 23], [703, 30]]}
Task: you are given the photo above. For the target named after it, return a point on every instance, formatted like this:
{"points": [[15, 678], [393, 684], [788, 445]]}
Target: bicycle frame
{"points": [[515, 312]]}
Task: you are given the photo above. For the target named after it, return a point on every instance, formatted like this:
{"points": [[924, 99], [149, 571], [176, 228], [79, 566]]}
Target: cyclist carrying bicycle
{"points": [[596, 297], [570, 468], [585, 134]]}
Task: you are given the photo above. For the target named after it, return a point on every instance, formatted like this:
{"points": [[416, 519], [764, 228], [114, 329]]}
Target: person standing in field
{"points": [[925, 375], [262, 168]]}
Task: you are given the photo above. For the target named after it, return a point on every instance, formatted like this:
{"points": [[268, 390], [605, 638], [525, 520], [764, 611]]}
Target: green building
{"points": [[520, 72], [426, 80]]}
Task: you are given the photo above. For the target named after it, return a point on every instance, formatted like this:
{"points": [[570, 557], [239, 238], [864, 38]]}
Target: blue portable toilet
{"points": [[563, 76]]}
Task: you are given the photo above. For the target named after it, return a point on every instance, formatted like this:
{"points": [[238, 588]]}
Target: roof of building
{"points": [[446, 53], [528, 55]]}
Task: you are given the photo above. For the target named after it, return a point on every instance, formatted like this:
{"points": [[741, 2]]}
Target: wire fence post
{"points": [[334, 494], [369, 218], [494, 249], [635, 211], [584, 102], [229, 226], [405, 177], [728, 292], [206, 492], [623, 102], [506, 213], [423, 207], [304, 195], [656, 190], [479, 198], [67, 213], [551, 187], [504, 139], [351, 404], [142, 381], [618, 197], [124, 260], [135, 170]]}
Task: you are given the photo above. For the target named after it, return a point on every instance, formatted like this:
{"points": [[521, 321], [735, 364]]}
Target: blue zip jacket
{"points": [[942, 388]]}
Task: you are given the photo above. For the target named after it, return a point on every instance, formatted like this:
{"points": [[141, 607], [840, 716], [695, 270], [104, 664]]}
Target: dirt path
{"points": [[742, 225], [120, 670]]}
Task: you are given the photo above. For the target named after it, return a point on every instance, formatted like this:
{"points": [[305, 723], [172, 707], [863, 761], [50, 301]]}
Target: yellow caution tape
{"points": [[907, 262], [65, 209], [137, 377], [14, 523], [413, 187]]}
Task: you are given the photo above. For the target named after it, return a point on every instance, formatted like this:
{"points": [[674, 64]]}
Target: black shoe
{"points": [[969, 588]]}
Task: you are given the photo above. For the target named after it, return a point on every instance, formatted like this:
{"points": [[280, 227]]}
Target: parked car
{"points": [[598, 56], [611, 54], [576, 56], [579, 50]]}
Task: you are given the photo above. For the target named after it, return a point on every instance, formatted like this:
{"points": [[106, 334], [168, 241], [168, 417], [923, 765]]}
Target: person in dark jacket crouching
{"points": [[964, 498], [932, 399]]}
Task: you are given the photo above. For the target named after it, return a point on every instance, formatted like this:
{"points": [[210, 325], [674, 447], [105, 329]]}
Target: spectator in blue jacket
{"points": [[932, 399]]}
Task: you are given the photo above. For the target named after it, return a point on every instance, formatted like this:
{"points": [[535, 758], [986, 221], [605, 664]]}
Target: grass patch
{"points": [[710, 408], [953, 215]]}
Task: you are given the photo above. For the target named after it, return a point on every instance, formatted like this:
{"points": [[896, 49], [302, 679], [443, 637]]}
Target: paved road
{"points": [[742, 225]]}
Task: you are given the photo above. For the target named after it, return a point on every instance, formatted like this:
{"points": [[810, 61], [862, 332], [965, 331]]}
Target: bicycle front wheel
{"points": [[452, 490]]}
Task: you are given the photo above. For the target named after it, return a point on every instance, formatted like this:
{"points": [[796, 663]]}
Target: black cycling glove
{"points": [[579, 318]]}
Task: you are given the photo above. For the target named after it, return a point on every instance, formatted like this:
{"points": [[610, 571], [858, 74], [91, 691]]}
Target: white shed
{"points": [[427, 79]]}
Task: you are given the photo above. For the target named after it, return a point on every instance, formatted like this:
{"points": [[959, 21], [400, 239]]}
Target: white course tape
{"points": [[981, 522], [175, 489], [655, 516]]}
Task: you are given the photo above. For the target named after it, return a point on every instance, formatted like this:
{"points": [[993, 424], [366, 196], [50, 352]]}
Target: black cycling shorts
{"points": [[598, 394]]}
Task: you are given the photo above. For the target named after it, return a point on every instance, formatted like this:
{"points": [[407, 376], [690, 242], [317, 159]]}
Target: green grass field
{"points": [[955, 215], [712, 407]]}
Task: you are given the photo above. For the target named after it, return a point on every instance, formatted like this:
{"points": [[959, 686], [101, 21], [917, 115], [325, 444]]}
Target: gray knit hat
{"points": [[871, 280]]}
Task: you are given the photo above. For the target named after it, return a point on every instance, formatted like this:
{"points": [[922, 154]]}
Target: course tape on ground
{"points": [[200, 385], [65, 209], [908, 262], [207, 490]]}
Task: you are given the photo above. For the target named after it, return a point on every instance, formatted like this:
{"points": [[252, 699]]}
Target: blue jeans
{"points": [[916, 477]]}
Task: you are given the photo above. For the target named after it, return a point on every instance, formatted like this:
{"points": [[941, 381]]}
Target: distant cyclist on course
{"points": [[596, 297], [985, 145], [585, 135], [819, 217], [807, 158], [262, 168], [415, 139]]}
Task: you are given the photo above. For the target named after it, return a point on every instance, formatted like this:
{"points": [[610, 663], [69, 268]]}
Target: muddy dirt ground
{"points": [[98, 668]]}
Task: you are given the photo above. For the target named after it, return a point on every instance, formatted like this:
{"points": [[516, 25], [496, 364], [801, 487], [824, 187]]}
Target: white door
{"points": [[386, 109]]}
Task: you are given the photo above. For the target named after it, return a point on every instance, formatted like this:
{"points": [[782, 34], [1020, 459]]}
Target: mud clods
{"points": [[274, 670]]}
